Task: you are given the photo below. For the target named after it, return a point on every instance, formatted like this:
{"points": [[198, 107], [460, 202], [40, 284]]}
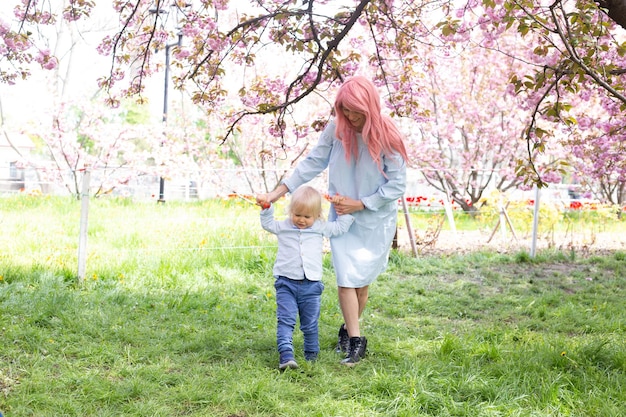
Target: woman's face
{"points": [[356, 119]]}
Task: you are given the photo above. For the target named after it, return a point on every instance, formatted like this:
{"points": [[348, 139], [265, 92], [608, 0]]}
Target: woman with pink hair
{"points": [[365, 156]]}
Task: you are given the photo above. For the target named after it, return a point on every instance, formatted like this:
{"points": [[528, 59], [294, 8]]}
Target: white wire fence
{"points": [[429, 223], [187, 185]]}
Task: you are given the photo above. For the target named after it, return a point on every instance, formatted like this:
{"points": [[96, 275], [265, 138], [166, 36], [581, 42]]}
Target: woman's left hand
{"points": [[346, 205]]}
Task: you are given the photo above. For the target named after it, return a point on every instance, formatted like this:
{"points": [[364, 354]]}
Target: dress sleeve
{"points": [[315, 162], [393, 188]]}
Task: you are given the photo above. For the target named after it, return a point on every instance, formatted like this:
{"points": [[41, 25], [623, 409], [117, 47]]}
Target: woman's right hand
{"points": [[263, 200], [272, 196]]}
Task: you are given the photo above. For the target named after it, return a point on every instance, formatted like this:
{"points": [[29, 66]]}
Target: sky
{"points": [[27, 99], [32, 98]]}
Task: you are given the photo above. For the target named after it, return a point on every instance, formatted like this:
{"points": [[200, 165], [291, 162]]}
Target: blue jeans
{"points": [[295, 297]]}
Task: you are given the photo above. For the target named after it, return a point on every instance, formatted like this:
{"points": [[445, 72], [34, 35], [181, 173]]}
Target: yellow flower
{"points": [[563, 353]]}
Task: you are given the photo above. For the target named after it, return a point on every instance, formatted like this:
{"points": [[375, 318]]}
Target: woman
{"points": [[365, 156]]}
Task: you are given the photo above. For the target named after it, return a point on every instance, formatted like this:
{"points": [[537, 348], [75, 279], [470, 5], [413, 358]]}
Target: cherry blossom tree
{"points": [[236, 49], [573, 59], [472, 142], [84, 136], [598, 149], [22, 47]]}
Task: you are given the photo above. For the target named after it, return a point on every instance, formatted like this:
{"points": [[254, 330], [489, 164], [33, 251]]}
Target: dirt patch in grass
{"points": [[466, 242]]}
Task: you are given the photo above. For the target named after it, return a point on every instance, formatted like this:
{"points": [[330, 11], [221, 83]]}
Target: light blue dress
{"points": [[362, 253]]}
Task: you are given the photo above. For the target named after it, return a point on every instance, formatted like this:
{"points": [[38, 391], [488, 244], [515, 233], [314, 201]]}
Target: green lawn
{"points": [[176, 317]]}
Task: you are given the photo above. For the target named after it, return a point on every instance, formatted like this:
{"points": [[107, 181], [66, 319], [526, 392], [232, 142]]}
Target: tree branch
{"points": [[321, 59], [573, 54]]}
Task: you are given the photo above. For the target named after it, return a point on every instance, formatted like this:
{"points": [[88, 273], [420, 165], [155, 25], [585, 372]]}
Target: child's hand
{"points": [[335, 199], [263, 201], [346, 205]]}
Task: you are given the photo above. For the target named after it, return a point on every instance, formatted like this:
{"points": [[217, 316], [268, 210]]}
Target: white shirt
{"points": [[300, 250]]}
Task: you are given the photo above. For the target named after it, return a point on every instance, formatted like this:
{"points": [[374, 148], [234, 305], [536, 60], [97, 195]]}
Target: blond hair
{"points": [[308, 199]]}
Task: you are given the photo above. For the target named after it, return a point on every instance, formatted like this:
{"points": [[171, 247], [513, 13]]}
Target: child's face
{"points": [[302, 218]]}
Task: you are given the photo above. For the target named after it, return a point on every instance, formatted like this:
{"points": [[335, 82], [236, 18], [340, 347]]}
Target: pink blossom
{"points": [[4, 27], [46, 60], [182, 53]]}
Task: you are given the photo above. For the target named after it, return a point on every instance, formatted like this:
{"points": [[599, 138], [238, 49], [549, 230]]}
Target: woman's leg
{"points": [[352, 302], [362, 294]]}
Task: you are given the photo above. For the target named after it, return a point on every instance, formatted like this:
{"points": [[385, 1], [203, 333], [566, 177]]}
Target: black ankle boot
{"points": [[343, 340], [356, 352]]}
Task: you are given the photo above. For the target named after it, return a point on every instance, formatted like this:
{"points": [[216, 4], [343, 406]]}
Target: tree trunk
{"points": [[616, 9]]}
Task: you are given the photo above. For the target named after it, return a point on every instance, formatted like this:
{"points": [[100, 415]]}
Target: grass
{"points": [[176, 317]]}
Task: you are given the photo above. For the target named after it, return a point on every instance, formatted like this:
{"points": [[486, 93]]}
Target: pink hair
{"points": [[380, 133]]}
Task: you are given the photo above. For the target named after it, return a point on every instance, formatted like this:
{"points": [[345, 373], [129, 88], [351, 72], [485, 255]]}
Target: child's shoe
{"points": [[310, 356], [287, 361]]}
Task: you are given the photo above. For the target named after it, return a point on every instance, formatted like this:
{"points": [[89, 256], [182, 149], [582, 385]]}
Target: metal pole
{"points": [[165, 91], [165, 100]]}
